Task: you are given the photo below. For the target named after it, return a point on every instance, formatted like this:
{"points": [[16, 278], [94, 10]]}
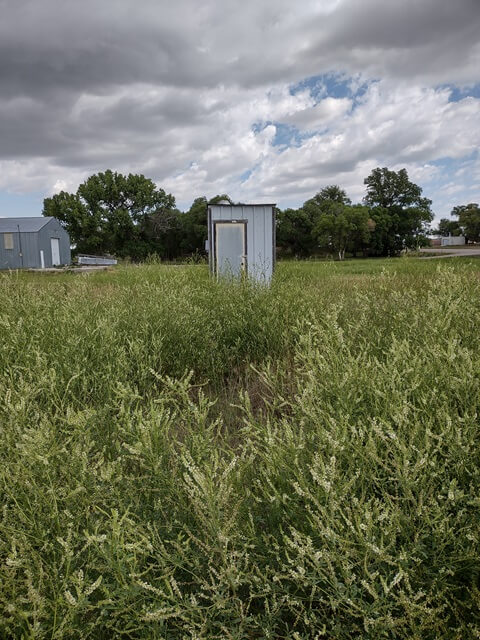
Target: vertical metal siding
{"points": [[54, 230], [31, 255], [260, 235], [11, 258]]}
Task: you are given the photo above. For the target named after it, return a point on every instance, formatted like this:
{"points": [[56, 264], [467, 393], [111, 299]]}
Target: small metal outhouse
{"points": [[241, 239]]}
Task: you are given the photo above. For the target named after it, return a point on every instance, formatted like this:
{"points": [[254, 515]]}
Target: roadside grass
{"points": [[182, 458]]}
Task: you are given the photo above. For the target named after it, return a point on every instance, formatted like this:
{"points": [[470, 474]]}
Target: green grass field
{"points": [[181, 458]]}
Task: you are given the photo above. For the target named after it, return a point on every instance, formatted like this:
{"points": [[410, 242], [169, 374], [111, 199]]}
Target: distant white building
{"points": [[451, 241]]}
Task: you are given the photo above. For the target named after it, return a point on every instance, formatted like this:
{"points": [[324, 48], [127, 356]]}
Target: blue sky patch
{"points": [[459, 93], [14, 205], [331, 85], [286, 135], [245, 175]]}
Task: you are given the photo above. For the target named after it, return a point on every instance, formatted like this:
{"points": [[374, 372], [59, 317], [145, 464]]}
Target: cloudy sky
{"points": [[267, 100]]}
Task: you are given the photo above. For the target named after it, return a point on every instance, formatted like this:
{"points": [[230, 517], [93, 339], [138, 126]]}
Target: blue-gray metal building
{"points": [[33, 242], [241, 239]]}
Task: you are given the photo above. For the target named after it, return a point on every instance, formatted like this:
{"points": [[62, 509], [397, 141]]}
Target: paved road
{"points": [[451, 252]]}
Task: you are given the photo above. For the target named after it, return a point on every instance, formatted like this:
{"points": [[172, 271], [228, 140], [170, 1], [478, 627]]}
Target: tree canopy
{"points": [[468, 220], [394, 216], [112, 213], [400, 212], [345, 228], [448, 227], [130, 216]]}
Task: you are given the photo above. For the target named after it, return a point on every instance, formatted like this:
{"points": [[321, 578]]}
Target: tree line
{"points": [[467, 223], [129, 216]]}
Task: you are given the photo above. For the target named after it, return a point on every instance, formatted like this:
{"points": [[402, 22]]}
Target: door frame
{"points": [[51, 251], [214, 242]]}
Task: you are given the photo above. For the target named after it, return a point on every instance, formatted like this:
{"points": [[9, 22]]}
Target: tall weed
{"points": [[188, 459]]}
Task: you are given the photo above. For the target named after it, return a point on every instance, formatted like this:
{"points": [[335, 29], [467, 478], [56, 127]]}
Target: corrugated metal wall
{"points": [[54, 230], [24, 253], [260, 221]]}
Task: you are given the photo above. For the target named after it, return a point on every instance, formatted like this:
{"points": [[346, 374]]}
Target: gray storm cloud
{"points": [[163, 87]]}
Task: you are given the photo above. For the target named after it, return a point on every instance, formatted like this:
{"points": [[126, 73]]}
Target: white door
{"points": [[42, 259], [55, 244], [230, 248]]}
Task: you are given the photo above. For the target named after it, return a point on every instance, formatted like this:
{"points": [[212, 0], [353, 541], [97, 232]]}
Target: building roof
{"points": [[24, 225], [242, 204]]}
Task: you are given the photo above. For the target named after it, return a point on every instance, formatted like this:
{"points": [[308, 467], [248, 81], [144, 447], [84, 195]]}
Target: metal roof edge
{"points": [[244, 204], [47, 219], [22, 221]]}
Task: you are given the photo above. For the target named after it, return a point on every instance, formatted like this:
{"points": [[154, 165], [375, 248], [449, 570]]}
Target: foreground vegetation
{"points": [[186, 459]]}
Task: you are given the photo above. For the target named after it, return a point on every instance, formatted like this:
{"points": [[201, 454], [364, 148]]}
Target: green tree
{"points": [[112, 213], [161, 234], [447, 227], [347, 228], [216, 199], [384, 240], [295, 227], [400, 212], [337, 225], [326, 197], [294, 232], [194, 227], [83, 226], [468, 220]]}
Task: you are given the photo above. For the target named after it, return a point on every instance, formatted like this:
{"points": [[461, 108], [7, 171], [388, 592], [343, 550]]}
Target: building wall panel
{"points": [[54, 230], [23, 253], [260, 235]]}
